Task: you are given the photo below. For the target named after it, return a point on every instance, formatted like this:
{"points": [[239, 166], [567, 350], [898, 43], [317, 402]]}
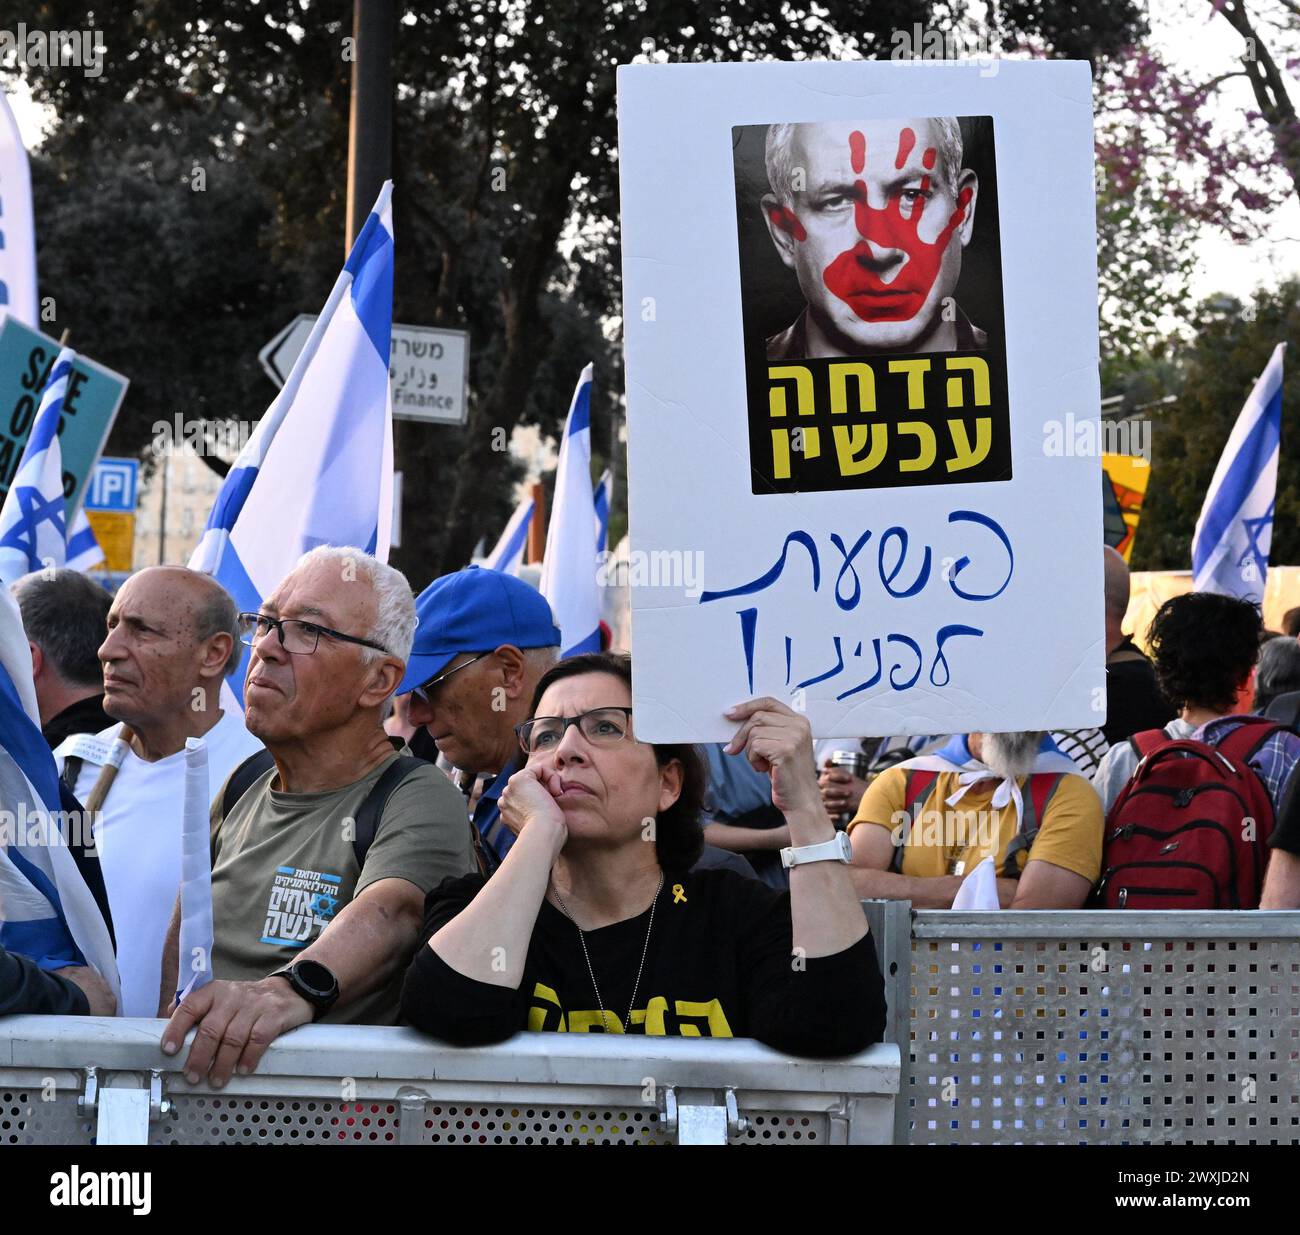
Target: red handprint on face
{"points": [[855, 275]]}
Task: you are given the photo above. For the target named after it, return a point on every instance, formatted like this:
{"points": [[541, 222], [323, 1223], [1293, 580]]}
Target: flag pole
{"points": [[537, 525], [370, 120]]}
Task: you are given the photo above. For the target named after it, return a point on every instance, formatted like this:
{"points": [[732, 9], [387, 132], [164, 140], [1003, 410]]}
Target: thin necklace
{"points": [[582, 939]]}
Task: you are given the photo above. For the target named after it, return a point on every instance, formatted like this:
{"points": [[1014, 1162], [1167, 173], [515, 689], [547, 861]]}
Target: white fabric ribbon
{"points": [[973, 771]]}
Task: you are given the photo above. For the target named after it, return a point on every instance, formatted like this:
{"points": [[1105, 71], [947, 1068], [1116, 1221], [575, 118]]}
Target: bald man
{"points": [[172, 638], [1133, 701]]}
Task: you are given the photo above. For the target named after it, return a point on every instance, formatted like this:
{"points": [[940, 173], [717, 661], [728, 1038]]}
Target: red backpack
{"points": [[1177, 835]]}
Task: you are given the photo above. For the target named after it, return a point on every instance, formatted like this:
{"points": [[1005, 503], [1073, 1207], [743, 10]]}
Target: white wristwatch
{"points": [[837, 849]]}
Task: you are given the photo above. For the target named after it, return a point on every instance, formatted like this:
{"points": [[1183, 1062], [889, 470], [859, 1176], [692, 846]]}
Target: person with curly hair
{"points": [[1204, 647]]}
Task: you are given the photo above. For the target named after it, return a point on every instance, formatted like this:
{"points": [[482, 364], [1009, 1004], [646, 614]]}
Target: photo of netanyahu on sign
{"points": [[873, 217]]}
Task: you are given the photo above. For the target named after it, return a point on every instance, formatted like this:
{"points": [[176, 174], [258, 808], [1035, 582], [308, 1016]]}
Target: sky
{"points": [[1190, 42]]}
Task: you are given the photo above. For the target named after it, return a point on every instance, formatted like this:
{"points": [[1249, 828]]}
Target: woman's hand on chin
{"points": [[528, 800], [778, 741]]}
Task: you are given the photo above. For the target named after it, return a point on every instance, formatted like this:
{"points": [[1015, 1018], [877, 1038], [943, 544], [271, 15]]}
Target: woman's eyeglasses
{"points": [[600, 726]]}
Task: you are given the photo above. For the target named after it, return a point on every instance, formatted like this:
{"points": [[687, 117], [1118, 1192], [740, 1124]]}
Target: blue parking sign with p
{"points": [[113, 485]]}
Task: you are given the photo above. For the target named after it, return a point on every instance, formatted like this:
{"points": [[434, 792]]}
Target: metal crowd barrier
{"points": [[84, 1080], [1093, 1027]]}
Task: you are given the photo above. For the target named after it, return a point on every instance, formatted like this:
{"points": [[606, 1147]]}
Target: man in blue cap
{"points": [[483, 641]]}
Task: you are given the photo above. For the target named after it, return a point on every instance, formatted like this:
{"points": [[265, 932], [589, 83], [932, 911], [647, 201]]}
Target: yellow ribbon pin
{"points": [[679, 894]]}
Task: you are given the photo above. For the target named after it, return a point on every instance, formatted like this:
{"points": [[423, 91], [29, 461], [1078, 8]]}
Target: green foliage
{"points": [[1233, 344], [505, 206]]}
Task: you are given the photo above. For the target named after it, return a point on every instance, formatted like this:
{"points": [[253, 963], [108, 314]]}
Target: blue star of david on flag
{"points": [[33, 519], [1259, 538]]}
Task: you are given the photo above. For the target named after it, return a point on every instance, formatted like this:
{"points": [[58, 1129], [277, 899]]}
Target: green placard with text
{"points": [[89, 407]]}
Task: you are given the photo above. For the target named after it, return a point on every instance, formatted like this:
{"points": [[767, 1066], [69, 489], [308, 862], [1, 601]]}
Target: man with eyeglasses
{"points": [[483, 641], [471, 701], [172, 640], [309, 922]]}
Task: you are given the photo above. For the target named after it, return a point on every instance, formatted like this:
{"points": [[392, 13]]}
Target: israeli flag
{"points": [[84, 552], [508, 555], [18, 241], [1235, 531], [33, 520], [318, 469], [569, 567], [601, 500], [47, 912]]}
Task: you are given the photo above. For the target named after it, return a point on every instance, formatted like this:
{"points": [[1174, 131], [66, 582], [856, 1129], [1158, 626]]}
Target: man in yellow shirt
{"points": [[925, 824]]}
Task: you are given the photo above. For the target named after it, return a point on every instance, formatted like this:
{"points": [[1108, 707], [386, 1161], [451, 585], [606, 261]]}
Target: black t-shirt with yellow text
{"points": [[719, 965]]}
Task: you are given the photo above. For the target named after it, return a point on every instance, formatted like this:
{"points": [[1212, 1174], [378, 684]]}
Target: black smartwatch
{"points": [[314, 982]]}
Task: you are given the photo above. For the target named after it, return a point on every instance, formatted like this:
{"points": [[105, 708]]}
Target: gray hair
{"points": [[217, 614], [394, 602], [780, 159], [1278, 671], [541, 659], [66, 616]]}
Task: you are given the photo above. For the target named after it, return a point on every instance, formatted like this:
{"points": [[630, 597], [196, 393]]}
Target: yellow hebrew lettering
{"points": [[851, 439], [803, 384], [979, 371], [711, 1013], [929, 447], [866, 383], [781, 454], [966, 457], [651, 1016], [916, 371], [543, 994], [582, 1022], [812, 443]]}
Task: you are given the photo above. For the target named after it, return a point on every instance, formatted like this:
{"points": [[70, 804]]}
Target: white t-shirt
{"points": [[139, 845]]}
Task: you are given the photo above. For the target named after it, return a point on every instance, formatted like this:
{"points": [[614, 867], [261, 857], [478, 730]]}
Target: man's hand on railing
{"points": [[92, 986], [236, 1022]]}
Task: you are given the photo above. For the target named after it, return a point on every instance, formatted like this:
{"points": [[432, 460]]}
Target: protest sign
{"points": [[89, 408], [860, 300]]}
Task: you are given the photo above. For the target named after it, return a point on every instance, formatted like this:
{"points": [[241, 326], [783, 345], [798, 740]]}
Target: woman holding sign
{"points": [[596, 922]]}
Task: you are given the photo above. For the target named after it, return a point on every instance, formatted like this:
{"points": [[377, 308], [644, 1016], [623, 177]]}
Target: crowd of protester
{"points": [[423, 815]]}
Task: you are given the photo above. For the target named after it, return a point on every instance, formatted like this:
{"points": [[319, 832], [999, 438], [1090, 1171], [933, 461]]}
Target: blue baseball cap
{"points": [[475, 610]]}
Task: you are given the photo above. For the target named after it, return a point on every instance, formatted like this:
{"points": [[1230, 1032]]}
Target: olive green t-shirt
{"points": [[283, 868]]}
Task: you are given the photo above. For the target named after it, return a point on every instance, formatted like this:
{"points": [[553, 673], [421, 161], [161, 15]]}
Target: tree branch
{"points": [[1215, 82], [1270, 90]]}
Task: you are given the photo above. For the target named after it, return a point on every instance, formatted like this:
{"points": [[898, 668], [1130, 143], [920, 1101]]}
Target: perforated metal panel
{"points": [[1095, 1039], [27, 1119], [195, 1119], [541, 1125], [538, 1125], [537, 1089], [201, 1119]]}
